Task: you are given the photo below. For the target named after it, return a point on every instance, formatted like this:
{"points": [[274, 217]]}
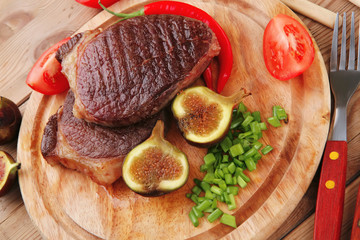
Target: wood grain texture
{"points": [[66, 204], [355, 232]]}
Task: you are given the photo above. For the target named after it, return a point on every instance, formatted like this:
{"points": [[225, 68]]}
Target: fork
{"points": [[330, 198]]}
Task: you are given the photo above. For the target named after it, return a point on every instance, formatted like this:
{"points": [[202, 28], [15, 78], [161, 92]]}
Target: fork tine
{"points": [[343, 45], [351, 64], [334, 46]]}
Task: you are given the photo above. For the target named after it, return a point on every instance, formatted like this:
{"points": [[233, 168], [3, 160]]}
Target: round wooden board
{"points": [[65, 204]]}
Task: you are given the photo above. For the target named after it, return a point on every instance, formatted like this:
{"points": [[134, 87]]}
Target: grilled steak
{"points": [[94, 150], [131, 70]]}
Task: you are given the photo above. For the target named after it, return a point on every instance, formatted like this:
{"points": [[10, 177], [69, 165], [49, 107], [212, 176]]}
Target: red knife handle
{"points": [[355, 234], [330, 198]]}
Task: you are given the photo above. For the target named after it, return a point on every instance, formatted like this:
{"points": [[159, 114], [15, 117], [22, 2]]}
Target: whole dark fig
{"points": [[10, 119]]}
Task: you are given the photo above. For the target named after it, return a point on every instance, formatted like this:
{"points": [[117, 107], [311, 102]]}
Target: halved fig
{"points": [[10, 119], [8, 170], [155, 167], [203, 116]]}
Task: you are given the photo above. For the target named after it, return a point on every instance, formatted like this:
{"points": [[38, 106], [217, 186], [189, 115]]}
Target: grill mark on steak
{"points": [[67, 47], [134, 68], [94, 150]]}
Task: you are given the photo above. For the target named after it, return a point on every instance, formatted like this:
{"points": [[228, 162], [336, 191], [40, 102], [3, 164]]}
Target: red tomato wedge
{"points": [[95, 3], [45, 76], [287, 47]]}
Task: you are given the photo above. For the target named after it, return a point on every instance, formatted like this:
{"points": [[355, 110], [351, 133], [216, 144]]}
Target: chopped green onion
{"points": [[237, 162], [228, 178], [205, 186], [194, 198], [236, 122], [209, 210], [209, 194], [232, 190], [203, 168], [266, 149], [236, 150], [229, 220], [232, 204], [236, 141], [243, 176], [224, 164], [281, 114], [204, 205], [230, 134], [214, 215], [245, 134], [225, 158], [216, 190], [193, 218], [250, 164], [225, 170], [216, 181], [256, 116], [226, 198], [197, 182], [247, 121], [219, 173], [274, 122], [255, 127], [196, 190], [214, 203], [263, 126], [257, 145], [231, 167], [226, 144], [209, 177], [250, 153], [241, 182], [242, 108], [275, 108], [197, 213], [209, 159], [222, 185], [257, 156]]}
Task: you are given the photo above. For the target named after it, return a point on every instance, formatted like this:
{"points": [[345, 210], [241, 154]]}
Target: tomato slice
{"points": [[45, 76], [95, 3], [287, 47]]}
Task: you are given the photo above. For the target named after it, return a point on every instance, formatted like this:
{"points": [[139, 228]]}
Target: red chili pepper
{"points": [[186, 10]]}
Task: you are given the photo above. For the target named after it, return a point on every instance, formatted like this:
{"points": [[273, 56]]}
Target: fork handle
{"points": [[330, 198]]}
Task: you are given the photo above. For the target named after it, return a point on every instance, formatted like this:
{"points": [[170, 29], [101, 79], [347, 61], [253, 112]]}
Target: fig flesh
{"points": [[203, 116], [8, 170], [10, 119], [155, 167]]}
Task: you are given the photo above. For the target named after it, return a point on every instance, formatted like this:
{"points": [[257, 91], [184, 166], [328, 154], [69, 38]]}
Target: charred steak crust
{"points": [[95, 150], [67, 47], [48, 142], [131, 70]]}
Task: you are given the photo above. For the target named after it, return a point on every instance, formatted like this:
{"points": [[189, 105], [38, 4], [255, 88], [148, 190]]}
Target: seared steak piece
{"points": [[94, 150], [132, 69]]}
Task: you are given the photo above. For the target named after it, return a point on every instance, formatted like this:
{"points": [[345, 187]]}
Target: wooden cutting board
{"points": [[65, 204]]}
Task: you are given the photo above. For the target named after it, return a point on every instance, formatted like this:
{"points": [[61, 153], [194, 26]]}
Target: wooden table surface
{"points": [[27, 28]]}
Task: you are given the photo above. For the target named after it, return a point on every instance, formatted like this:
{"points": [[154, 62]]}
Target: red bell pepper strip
{"points": [[186, 10], [208, 77]]}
